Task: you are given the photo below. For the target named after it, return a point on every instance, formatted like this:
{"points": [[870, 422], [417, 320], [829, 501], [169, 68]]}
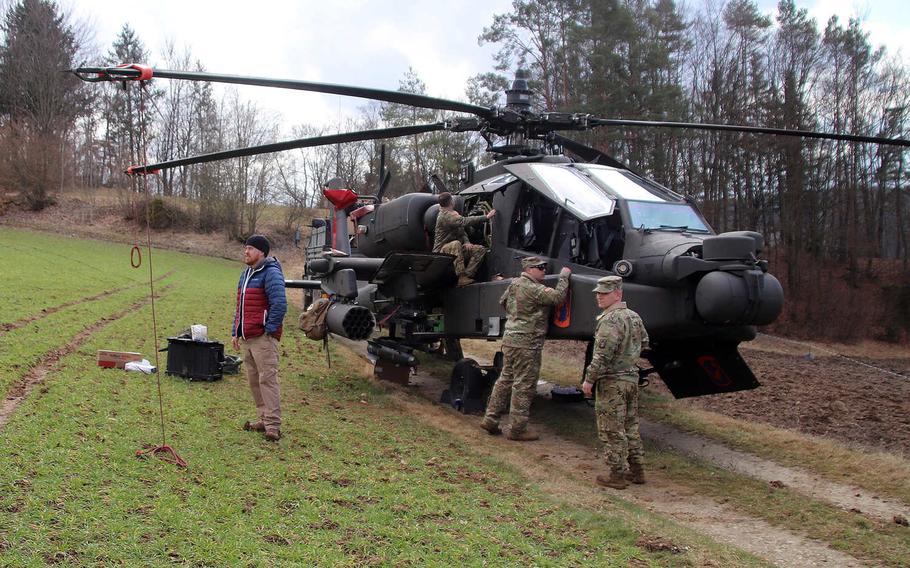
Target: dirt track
{"points": [[565, 468]]}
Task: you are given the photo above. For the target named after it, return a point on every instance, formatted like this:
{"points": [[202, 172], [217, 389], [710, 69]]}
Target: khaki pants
{"points": [[467, 257], [260, 357]]}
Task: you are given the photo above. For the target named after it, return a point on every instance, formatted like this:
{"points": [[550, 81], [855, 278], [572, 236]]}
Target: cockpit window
{"points": [[622, 184], [665, 217], [568, 188]]}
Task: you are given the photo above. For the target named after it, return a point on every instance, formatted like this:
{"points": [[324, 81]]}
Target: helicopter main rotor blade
{"points": [[290, 145], [126, 73], [752, 129]]}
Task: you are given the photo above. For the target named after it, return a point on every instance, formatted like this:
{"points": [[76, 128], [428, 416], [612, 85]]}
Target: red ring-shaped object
{"points": [[136, 252]]}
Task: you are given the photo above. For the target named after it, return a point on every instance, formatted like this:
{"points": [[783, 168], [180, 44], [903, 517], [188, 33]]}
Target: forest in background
{"points": [[834, 214]]}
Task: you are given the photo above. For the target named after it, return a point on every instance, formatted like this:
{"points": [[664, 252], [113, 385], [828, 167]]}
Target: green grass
{"points": [[354, 482], [45, 271]]}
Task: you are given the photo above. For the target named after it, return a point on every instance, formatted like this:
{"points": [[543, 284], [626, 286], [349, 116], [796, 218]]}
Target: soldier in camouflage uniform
{"points": [[619, 339], [528, 304], [451, 238]]}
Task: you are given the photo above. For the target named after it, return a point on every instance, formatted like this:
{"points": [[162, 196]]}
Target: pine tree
{"points": [[38, 102]]}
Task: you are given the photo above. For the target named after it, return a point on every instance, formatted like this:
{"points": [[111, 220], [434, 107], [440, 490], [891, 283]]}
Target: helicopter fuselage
{"points": [[697, 292]]}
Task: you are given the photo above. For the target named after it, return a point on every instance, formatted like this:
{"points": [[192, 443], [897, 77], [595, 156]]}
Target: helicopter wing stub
{"points": [[405, 274], [698, 367]]}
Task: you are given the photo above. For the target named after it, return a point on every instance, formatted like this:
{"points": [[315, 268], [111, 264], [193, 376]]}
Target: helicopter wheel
{"points": [[468, 387]]}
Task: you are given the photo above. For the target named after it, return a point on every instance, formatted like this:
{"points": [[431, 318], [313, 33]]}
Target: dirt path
{"points": [[566, 469], [36, 375], [846, 497]]}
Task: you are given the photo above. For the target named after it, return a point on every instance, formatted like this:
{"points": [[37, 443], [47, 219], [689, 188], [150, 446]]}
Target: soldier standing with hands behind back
{"points": [[619, 338], [528, 303]]}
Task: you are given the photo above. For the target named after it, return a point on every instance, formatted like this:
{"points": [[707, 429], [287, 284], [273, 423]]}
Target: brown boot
{"points": [[523, 436], [272, 434], [491, 427], [254, 426], [464, 280], [636, 473], [616, 480]]}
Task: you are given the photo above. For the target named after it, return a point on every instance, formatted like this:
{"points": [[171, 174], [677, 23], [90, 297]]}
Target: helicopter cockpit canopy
{"points": [[590, 191], [568, 187]]}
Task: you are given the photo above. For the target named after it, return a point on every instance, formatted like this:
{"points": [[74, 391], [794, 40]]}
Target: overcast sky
{"points": [[367, 43]]}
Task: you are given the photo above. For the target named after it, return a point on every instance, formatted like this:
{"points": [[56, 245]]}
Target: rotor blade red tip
{"points": [[139, 170], [145, 72]]}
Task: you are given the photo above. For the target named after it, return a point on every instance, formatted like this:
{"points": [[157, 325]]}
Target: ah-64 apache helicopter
{"points": [[699, 293]]}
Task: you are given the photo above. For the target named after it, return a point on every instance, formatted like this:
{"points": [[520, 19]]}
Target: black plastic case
{"points": [[195, 360]]}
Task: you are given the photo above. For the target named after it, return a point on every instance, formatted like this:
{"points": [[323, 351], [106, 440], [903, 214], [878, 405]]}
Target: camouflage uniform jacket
{"points": [[450, 227], [528, 304], [619, 337]]}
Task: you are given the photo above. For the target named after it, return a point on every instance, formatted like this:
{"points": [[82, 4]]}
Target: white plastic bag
{"points": [[143, 366]]}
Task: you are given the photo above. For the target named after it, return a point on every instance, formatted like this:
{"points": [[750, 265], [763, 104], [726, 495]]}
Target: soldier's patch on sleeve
{"points": [[602, 344]]}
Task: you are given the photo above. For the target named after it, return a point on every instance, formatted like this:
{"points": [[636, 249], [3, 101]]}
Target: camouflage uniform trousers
{"points": [[470, 253], [515, 387], [616, 407]]}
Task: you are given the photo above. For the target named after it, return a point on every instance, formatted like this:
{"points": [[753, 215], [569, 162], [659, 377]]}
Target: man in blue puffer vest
{"points": [[261, 305]]}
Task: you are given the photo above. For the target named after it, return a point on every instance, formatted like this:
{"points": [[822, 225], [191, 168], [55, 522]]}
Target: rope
{"points": [[836, 354], [163, 451]]}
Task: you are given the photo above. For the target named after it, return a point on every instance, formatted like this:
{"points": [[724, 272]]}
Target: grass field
{"points": [[354, 482]]}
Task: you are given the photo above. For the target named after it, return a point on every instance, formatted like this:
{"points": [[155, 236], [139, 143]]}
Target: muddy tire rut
{"points": [[8, 327], [20, 391]]}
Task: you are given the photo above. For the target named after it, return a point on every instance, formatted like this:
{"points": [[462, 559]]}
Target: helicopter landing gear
{"points": [[469, 386], [453, 349]]}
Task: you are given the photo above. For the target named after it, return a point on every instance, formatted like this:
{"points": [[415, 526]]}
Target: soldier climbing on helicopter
{"points": [[451, 238]]}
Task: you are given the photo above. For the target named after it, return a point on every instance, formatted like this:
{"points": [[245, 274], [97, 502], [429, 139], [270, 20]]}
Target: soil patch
{"points": [[826, 396]]}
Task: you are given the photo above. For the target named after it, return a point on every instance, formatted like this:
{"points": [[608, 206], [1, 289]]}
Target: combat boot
{"points": [[272, 434], [636, 473], [616, 480], [491, 427], [464, 280], [523, 436], [254, 426]]}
